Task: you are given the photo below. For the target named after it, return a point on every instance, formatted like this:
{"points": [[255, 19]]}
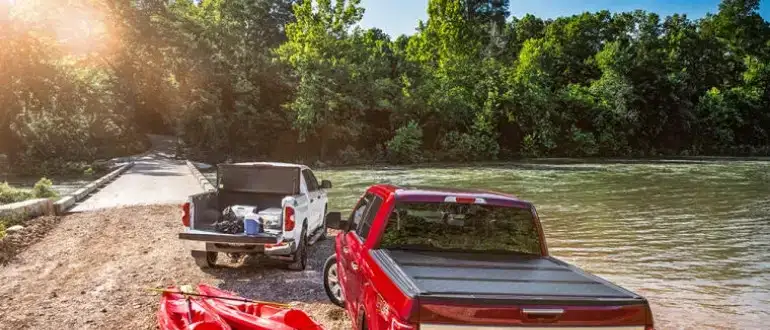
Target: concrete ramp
{"points": [[155, 178]]}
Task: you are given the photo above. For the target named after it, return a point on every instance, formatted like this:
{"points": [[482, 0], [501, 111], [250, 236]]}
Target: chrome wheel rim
{"points": [[332, 280]]}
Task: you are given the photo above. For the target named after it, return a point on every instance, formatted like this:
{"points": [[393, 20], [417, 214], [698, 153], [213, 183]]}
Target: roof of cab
{"points": [[276, 164], [407, 192]]}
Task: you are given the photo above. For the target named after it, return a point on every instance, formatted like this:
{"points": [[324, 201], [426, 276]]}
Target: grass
{"points": [[42, 189], [8, 194], [10, 221]]}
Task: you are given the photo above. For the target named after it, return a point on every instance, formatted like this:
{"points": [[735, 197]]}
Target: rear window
{"points": [[464, 227], [267, 179]]}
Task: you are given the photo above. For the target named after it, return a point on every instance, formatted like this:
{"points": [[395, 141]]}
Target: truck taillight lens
{"points": [[288, 219], [464, 200], [186, 214], [387, 315]]}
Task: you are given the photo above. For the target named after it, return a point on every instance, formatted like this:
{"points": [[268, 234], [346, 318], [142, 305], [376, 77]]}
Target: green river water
{"points": [[693, 237]]}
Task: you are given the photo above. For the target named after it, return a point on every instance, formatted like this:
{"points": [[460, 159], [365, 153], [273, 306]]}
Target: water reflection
{"points": [[693, 237]]}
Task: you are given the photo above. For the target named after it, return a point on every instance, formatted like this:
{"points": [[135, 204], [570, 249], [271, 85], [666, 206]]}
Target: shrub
{"points": [[44, 189], [465, 147], [405, 146], [349, 156], [583, 143], [13, 219], [10, 194]]}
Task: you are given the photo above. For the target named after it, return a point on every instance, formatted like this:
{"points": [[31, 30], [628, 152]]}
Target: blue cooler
{"points": [[252, 224]]}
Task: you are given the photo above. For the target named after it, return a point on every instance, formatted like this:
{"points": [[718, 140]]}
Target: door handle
{"points": [[354, 265]]}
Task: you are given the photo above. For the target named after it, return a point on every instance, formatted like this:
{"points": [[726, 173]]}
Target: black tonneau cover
{"points": [[514, 279]]}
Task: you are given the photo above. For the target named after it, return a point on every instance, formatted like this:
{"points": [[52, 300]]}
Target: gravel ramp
{"points": [[92, 271]]}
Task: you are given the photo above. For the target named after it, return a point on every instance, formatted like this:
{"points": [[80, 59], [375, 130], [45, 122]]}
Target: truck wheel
{"points": [[332, 282], [205, 259], [364, 326], [300, 257]]}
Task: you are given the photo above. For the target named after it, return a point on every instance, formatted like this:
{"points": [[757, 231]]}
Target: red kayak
{"points": [[179, 313], [256, 316]]}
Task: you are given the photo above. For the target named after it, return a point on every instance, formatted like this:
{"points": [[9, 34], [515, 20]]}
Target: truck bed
{"points": [[509, 279]]}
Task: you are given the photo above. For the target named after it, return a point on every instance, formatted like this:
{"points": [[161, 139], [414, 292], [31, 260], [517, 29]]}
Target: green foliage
{"points": [[8, 221], [290, 79], [43, 189], [9, 194], [350, 156], [406, 145], [469, 147]]}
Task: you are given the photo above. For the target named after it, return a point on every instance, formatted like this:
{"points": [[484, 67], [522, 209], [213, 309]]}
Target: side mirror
{"points": [[326, 184], [334, 221]]}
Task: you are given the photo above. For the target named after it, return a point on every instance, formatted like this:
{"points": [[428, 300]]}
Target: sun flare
{"points": [[76, 26]]}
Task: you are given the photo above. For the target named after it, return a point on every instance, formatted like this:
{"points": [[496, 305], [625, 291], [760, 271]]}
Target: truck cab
{"points": [[446, 259], [287, 199]]}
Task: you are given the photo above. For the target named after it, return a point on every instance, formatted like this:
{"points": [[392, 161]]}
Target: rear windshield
{"points": [[265, 179], [464, 227]]}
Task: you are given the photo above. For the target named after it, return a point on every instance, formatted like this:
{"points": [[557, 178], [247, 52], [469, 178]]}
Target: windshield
{"points": [[466, 227]]}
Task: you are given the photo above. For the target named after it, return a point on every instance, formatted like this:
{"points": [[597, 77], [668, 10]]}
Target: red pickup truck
{"points": [[445, 259]]}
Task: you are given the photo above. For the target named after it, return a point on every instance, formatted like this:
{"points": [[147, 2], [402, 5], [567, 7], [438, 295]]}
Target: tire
{"points": [[205, 259], [364, 325], [300, 257], [323, 227], [333, 290]]}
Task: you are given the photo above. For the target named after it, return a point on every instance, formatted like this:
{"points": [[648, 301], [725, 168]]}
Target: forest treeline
{"points": [[299, 80]]}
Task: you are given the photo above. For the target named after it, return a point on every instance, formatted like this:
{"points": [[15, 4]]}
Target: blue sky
{"points": [[397, 17]]}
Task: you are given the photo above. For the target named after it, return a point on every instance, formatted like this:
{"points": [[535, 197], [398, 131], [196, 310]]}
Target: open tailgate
{"points": [[214, 237]]}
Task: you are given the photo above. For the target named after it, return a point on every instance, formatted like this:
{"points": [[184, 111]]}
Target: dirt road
{"points": [[92, 270]]}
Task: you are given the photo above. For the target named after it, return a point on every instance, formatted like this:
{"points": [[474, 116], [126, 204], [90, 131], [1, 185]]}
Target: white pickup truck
{"points": [[287, 198]]}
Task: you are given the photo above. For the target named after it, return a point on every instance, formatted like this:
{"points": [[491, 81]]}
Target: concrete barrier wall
{"points": [[67, 202], [202, 181], [29, 208]]}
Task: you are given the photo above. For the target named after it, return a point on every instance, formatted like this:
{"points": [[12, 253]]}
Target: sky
{"points": [[397, 17]]}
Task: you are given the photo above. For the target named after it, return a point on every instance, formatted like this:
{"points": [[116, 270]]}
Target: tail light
{"points": [[288, 219], [464, 200], [186, 214], [650, 320], [270, 246], [389, 317]]}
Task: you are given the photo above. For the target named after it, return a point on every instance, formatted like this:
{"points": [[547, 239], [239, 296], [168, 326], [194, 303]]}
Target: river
{"points": [[691, 236]]}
